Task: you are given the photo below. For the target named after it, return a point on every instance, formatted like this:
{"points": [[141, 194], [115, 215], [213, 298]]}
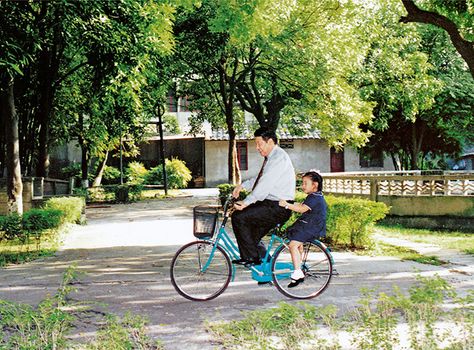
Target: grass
{"points": [[402, 253], [14, 252], [463, 242]]}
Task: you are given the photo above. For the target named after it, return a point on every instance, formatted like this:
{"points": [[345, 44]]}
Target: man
{"points": [[260, 212]]}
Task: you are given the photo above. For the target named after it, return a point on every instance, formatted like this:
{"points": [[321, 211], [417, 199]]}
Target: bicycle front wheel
{"points": [[200, 271], [316, 265]]}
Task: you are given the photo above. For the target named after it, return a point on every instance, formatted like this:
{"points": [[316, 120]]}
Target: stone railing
{"points": [[372, 185], [36, 190]]}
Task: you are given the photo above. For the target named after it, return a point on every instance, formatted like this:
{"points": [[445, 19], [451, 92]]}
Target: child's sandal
{"points": [[294, 283]]}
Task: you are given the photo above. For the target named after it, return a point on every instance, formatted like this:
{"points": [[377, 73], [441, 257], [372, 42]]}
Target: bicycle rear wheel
{"points": [[316, 265], [200, 271]]}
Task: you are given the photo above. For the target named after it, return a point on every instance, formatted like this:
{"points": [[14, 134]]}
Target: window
{"points": [[184, 103], [172, 105], [242, 155], [369, 158]]}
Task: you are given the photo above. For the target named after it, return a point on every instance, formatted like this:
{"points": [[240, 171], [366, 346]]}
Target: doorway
{"points": [[337, 160]]}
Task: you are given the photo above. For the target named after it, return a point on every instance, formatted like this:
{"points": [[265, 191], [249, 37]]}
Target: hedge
{"points": [[349, 220]]}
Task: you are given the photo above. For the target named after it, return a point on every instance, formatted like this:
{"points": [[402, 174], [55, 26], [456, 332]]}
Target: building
{"points": [[206, 154]]}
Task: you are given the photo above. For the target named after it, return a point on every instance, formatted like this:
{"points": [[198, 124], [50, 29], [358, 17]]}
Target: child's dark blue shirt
{"points": [[311, 224]]}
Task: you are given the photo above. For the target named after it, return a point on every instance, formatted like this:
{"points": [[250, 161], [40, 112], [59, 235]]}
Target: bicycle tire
{"points": [[316, 264], [188, 278]]}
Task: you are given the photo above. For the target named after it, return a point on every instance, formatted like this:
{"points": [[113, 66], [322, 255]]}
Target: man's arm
{"points": [[246, 185]]}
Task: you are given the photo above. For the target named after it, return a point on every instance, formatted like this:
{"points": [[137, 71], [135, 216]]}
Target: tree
{"points": [[122, 44], [419, 85], [208, 70], [300, 72], [14, 57], [456, 17], [277, 60]]}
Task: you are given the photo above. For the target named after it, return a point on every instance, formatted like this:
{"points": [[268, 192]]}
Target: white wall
{"points": [[305, 155], [351, 162], [70, 152]]}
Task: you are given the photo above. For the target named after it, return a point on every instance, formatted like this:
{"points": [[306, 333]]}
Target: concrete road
{"points": [[125, 251]]}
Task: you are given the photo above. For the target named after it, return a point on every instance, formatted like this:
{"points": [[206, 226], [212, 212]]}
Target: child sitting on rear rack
{"points": [[310, 225]]}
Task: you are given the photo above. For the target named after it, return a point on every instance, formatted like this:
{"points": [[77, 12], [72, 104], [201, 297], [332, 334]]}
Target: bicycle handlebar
{"points": [[228, 203]]}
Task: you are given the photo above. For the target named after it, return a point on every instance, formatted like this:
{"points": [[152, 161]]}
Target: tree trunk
{"points": [[2, 140], [84, 166], [100, 171], [14, 182], [232, 161], [396, 163], [48, 71], [236, 171], [84, 154]]}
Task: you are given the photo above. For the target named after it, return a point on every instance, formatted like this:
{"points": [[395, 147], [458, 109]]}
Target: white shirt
{"points": [[277, 181]]}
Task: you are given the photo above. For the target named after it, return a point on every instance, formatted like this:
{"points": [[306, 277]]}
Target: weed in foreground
{"points": [[46, 326], [124, 334], [412, 320]]}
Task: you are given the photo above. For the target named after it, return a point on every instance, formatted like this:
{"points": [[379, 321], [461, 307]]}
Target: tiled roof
{"points": [[468, 151], [282, 132]]}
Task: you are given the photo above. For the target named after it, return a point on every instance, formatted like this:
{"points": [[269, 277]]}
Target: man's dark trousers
{"points": [[254, 222]]}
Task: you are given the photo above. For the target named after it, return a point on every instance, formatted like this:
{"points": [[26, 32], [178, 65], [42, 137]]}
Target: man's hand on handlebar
{"points": [[240, 205], [236, 191]]}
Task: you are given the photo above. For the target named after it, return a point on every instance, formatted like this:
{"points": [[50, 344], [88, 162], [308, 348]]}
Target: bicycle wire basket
{"points": [[205, 220]]}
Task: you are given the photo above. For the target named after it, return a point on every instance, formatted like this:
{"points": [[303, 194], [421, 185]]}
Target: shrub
{"points": [[111, 175], [72, 170], [73, 207], [350, 220], [136, 172], [36, 220], [171, 124], [178, 175], [127, 193], [11, 226]]}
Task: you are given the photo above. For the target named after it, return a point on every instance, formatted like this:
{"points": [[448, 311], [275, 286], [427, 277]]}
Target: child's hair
{"points": [[315, 177]]}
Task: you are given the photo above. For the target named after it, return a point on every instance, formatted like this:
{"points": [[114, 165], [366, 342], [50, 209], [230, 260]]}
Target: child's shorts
{"points": [[301, 236]]}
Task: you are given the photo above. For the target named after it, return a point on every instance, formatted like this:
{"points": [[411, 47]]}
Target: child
{"points": [[310, 225]]}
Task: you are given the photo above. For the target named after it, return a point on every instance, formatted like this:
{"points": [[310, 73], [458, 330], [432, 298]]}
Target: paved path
{"points": [[125, 252]]}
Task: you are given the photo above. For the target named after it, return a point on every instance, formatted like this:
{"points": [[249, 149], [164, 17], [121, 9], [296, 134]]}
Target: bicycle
{"points": [[202, 270]]}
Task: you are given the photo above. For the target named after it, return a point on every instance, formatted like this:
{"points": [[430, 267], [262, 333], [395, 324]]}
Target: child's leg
{"points": [[296, 249]]}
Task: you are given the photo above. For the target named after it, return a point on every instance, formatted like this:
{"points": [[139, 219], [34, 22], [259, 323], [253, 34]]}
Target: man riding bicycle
{"points": [[260, 212]]}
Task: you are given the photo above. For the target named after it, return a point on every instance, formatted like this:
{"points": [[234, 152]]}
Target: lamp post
{"points": [[161, 112], [121, 155]]}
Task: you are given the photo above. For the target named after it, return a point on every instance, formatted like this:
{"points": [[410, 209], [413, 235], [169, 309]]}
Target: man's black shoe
{"points": [[251, 262], [240, 261]]}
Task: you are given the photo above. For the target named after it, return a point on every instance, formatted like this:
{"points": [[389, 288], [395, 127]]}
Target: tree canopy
{"points": [[96, 72]]}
